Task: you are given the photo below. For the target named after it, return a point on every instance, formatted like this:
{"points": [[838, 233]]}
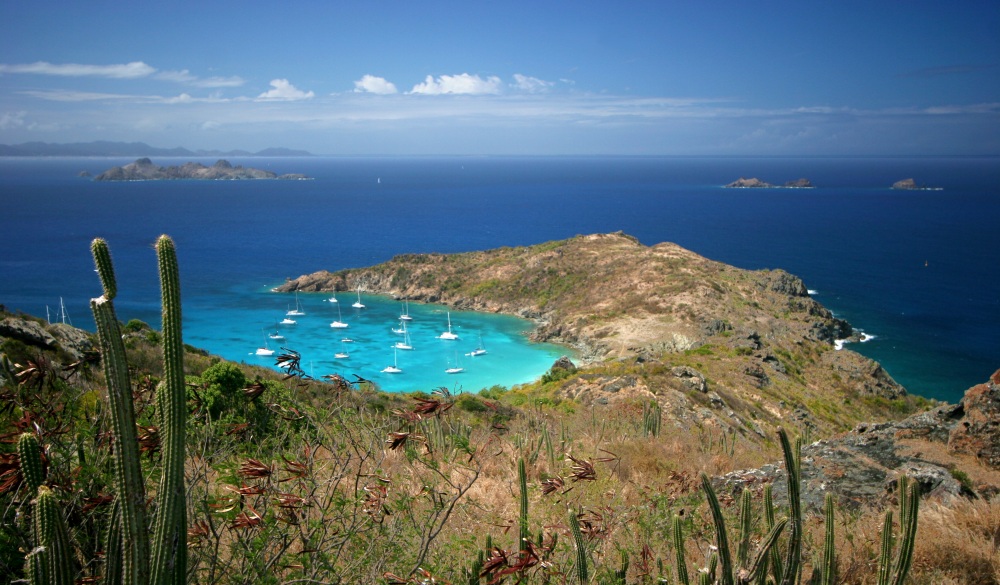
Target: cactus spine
{"points": [[170, 534], [128, 472], [55, 551]]}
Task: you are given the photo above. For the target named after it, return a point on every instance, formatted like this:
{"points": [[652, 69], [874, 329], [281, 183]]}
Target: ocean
{"points": [[916, 270]]}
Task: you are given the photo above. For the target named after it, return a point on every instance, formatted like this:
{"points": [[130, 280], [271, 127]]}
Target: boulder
{"points": [[26, 331], [690, 378], [978, 433]]}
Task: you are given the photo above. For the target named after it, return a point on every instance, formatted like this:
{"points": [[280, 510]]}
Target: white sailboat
{"points": [[394, 368], [457, 368], [405, 344], [480, 350], [288, 321], [405, 315], [448, 334], [358, 304], [338, 324], [265, 350], [342, 354], [332, 299], [297, 311], [277, 336]]}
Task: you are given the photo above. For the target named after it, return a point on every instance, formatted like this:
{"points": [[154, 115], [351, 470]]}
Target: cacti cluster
{"points": [[652, 415], [129, 558]]}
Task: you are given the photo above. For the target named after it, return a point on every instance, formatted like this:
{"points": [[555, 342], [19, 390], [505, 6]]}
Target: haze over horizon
{"points": [[636, 78]]}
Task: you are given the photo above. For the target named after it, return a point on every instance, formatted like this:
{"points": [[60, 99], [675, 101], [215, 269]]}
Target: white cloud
{"points": [[284, 91], [185, 76], [12, 120], [121, 71], [463, 84], [373, 84], [531, 84]]}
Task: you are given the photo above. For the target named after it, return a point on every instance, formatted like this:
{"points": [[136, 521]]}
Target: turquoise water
{"points": [[915, 269], [243, 321]]}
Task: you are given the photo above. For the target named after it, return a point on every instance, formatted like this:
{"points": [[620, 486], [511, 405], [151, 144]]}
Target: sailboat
{"points": [[332, 299], [405, 344], [358, 304], [405, 315], [448, 334], [480, 350], [393, 369], [342, 354], [277, 336], [338, 324], [265, 350], [297, 311], [456, 369], [288, 321]]}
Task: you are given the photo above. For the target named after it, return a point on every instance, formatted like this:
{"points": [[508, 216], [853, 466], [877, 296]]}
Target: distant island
{"points": [[144, 170], [755, 183], [108, 148], [911, 185]]}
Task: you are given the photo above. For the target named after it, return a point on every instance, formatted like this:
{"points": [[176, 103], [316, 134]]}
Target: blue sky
{"points": [[513, 77]]}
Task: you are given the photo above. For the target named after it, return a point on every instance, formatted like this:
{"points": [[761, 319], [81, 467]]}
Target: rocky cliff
{"points": [[143, 169]]}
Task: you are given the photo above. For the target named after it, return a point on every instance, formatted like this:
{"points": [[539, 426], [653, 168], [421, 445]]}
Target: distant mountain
{"points": [[107, 148]]}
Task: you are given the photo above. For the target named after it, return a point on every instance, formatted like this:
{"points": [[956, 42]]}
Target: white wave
{"points": [[812, 291], [838, 344], [866, 337]]}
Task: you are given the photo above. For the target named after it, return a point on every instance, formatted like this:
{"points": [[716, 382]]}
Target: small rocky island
{"points": [[911, 185], [755, 183], [143, 169]]}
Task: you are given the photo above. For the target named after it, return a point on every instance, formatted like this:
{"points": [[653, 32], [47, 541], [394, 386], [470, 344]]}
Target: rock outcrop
{"points": [[752, 183], [952, 451], [143, 169]]}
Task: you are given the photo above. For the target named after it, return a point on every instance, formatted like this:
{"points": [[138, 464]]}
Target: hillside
{"points": [[751, 346]]}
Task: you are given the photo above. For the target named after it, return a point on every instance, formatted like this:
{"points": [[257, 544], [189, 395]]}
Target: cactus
{"points": [[54, 550], [828, 575], [581, 548], [128, 472], [894, 572], [524, 532], [793, 555], [682, 574], [30, 454], [167, 561], [170, 535], [651, 419]]}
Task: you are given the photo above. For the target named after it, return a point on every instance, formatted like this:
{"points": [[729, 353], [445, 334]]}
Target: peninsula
{"points": [[143, 169], [757, 336]]}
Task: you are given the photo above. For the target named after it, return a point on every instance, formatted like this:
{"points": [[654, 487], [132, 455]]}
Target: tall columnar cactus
{"points": [[748, 569], [128, 472], [29, 452], [167, 562], [582, 571], [53, 547], [793, 555], [524, 532], [170, 534], [829, 568], [894, 572], [678, 534]]}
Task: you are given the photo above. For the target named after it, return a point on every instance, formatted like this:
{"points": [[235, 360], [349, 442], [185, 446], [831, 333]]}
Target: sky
{"points": [[381, 77]]}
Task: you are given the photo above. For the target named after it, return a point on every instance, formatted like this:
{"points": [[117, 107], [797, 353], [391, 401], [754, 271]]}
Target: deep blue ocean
{"points": [[919, 270]]}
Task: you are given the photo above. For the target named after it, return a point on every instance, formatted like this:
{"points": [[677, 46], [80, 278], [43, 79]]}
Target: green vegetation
{"points": [[286, 479]]}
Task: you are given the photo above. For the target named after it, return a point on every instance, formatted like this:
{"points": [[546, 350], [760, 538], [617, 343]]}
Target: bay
{"points": [[916, 269]]}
